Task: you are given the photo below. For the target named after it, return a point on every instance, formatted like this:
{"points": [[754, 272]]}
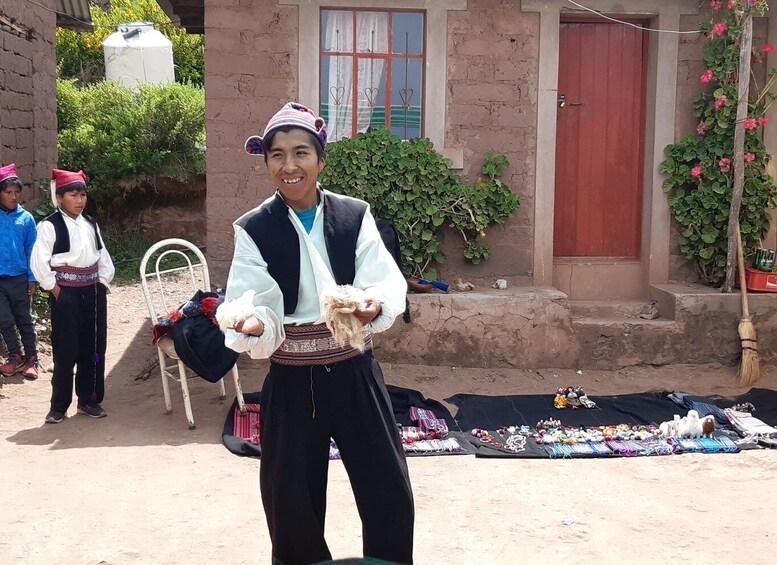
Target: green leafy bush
{"points": [[116, 134], [700, 167], [80, 55], [412, 186]]}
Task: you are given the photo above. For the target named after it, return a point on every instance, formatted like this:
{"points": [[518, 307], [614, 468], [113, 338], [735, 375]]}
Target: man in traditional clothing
{"points": [[289, 250], [71, 262]]}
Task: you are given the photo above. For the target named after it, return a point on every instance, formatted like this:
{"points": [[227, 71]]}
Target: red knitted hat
{"points": [[8, 172], [68, 180]]}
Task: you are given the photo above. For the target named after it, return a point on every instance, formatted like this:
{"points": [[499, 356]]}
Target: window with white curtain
{"points": [[372, 71]]}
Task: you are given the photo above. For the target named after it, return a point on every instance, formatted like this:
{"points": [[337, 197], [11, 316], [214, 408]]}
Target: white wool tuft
{"points": [[231, 313], [340, 303]]}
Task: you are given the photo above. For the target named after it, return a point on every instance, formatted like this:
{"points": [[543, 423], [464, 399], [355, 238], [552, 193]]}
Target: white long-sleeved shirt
{"points": [[376, 273], [83, 252]]}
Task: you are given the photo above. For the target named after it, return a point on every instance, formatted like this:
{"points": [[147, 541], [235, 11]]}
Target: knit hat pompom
{"points": [[293, 114]]}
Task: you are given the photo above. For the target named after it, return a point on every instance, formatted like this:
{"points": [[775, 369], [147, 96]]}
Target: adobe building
{"points": [[28, 82], [572, 99]]}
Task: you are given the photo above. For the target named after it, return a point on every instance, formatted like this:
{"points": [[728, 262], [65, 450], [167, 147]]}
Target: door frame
{"points": [[659, 127]]}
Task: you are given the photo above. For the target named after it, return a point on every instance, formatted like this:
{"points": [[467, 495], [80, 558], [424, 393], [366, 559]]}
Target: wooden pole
{"points": [[745, 50]]}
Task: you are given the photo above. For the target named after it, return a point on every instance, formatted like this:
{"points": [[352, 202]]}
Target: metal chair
{"points": [[173, 288]]}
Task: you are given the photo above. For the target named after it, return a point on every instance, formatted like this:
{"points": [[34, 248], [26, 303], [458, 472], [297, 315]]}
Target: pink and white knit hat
{"points": [[8, 172], [293, 114]]}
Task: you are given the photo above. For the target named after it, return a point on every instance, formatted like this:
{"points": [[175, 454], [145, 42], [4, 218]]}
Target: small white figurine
{"points": [[691, 427]]}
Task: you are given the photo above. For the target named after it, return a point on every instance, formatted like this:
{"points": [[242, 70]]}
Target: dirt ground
{"points": [[138, 487]]}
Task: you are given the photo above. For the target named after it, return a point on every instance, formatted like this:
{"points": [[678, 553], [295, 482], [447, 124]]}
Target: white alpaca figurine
{"points": [[692, 428], [229, 314], [670, 428], [676, 425]]}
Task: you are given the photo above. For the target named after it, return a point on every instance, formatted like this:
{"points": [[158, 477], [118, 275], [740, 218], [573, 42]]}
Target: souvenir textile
{"points": [[748, 425], [433, 427]]}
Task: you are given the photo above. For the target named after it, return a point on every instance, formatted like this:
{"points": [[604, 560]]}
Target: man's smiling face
{"points": [[294, 166]]}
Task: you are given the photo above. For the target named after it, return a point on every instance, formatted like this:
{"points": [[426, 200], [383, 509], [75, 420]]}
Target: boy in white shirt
{"points": [[70, 261]]}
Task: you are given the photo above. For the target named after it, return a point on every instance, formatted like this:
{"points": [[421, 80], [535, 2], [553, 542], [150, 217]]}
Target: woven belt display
{"points": [[77, 276], [314, 345]]}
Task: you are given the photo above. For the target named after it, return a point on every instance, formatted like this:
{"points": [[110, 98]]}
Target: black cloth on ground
{"points": [[491, 412]]}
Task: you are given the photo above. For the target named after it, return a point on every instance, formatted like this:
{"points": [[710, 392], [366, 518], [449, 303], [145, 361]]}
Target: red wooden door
{"points": [[599, 141]]}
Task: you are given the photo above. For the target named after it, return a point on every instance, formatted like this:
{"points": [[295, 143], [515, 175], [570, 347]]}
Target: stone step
{"points": [[608, 343], [610, 309], [624, 324]]}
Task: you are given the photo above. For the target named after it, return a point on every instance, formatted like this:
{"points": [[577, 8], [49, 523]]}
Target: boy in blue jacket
{"points": [[17, 283]]}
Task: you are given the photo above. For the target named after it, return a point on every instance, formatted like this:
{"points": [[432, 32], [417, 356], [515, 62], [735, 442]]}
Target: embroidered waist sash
{"points": [[314, 345], [77, 276]]}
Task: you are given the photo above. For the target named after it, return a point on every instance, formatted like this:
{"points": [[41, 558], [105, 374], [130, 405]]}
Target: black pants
{"points": [[15, 314], [301, 408], [79, 326]]}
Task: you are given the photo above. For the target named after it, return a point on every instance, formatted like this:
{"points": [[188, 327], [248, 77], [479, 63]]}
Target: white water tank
{"points": [[138, 54]]}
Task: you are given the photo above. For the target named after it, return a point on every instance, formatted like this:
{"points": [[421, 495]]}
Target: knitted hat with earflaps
{"points": [[293, 114]]}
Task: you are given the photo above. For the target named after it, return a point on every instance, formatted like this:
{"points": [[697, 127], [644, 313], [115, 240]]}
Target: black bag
{"points": [[388, 233], [200, 344]]}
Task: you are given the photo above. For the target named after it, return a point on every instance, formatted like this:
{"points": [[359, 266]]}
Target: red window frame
{"points": [[387, 57]]}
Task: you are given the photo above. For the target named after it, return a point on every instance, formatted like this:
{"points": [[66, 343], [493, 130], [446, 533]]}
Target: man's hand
{"points": [[31, 288], [250, 326], [55, 292], [369, 310]]}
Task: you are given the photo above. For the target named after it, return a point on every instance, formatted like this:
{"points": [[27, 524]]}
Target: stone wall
{"points": [[492, 106], [28, 120], [250, 68]]}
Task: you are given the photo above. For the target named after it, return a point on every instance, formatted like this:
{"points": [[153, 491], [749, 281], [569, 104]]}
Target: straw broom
{"points": [[750, 367]]}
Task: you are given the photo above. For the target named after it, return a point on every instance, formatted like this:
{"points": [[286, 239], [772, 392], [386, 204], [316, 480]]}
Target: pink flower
{"points": [[749, 157], [706, 77], [715, 5], [732, 4], [767, 48], [750, 123], [720, 29], [725, 165], [696, 172], [701, 129], [763, 120], [720, 102]]}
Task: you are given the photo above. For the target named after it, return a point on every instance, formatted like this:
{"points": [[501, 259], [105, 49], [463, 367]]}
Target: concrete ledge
{"points": [[521, 327], [533, 327]]}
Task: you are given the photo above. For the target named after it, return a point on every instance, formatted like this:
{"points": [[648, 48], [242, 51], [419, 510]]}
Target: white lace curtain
{"points": [[372, 36]]}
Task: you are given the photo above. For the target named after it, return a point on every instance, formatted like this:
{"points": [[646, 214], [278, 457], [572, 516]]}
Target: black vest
{"points": [[62, 239], [278, 242]]}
